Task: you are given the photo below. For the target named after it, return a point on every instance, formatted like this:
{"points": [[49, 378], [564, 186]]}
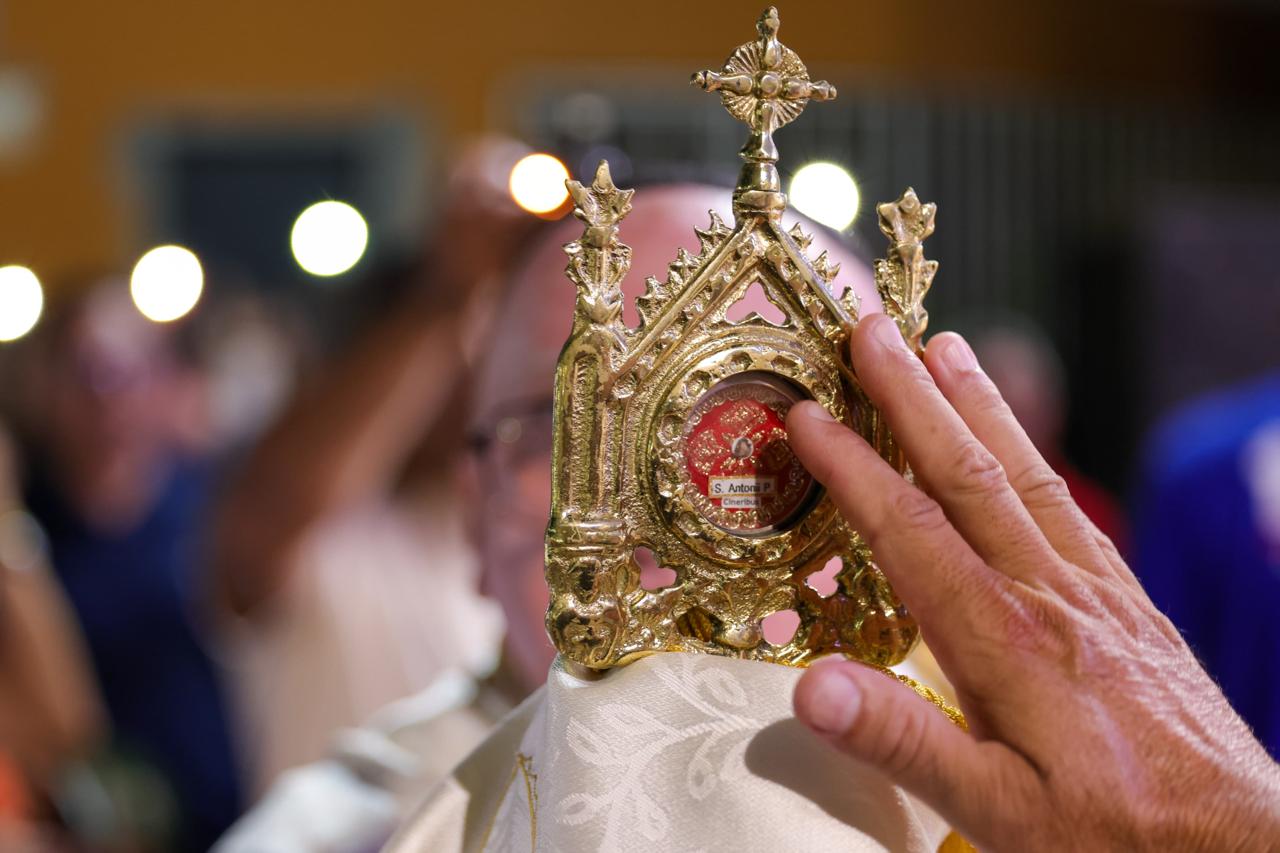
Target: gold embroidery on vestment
{"points": [[523, 765]]}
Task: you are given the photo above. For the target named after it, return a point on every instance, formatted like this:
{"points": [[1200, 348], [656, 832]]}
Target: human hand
{"points": [[479, 229], [1091, 725]]}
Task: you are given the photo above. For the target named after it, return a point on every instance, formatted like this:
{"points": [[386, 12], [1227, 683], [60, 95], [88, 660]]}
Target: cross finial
{"points": [[764, 85]]}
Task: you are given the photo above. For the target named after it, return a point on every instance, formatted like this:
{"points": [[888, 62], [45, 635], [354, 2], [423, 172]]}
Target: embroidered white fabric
{"points": [[676, 752]]}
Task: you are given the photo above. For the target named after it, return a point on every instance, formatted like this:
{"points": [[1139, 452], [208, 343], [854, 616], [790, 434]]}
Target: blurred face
{"points": [[109, 389], [512, 477], [512, 429]]}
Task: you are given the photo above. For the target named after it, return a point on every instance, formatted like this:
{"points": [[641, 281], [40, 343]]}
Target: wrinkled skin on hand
{"points": [[1092, 726]]}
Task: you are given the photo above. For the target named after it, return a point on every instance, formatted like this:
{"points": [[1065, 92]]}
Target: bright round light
{"points": [[166, 283], [21, 301], [826, 192], [537, 183], [329, 238]]}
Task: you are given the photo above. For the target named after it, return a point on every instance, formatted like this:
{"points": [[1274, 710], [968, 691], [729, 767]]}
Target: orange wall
{"points": [[103, 63]]}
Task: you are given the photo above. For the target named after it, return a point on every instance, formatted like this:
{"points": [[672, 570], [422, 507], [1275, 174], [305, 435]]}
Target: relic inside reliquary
{"points": [[671, 436]]}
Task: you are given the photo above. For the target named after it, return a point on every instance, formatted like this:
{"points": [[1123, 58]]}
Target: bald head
{"points": [[538, 310]]}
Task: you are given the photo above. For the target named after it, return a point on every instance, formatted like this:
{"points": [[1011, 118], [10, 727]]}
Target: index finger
{"points": [[939, 577], [954, 465], [1042, 491]]}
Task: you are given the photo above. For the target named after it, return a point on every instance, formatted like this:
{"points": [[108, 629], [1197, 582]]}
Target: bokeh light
{"points": [[21, 301], [826, 193], [329, 238], [166, 283], [537, 183]]}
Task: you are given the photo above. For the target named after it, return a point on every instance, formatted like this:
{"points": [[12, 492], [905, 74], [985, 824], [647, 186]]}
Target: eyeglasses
{"points": [[515, 458]]}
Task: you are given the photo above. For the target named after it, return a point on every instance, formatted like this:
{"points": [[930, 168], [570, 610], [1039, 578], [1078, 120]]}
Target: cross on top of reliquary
{"points": [[764, 85]]}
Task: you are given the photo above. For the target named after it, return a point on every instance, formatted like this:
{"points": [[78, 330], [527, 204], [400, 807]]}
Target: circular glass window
{"points": [[741, 473]]}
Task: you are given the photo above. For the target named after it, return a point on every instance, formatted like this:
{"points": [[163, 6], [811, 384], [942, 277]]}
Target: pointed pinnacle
{"points": [[711, 236], [802, 239], [604, 179], [851, 301], [822, 266]]}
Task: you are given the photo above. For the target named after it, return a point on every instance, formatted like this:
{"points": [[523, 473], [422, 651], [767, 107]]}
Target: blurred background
{"points": [[230, 232], [1073, 147]]}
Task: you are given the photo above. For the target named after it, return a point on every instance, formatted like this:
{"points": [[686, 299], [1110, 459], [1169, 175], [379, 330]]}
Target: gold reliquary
{"points": [[671, 436]]}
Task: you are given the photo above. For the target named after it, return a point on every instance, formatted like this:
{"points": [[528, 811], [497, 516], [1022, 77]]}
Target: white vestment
{"points": [[675, 752], [383, 602], [352, 800]]}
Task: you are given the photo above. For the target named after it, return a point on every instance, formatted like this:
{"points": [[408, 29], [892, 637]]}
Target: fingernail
{"points": [[959, 357], [884, 330], [816, 411], [833, 702]]}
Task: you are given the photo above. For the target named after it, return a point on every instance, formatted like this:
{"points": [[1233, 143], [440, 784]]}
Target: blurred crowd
{"points": [[224, 558]]}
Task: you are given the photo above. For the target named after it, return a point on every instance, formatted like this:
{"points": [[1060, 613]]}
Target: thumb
{"points": [[882, 722]]}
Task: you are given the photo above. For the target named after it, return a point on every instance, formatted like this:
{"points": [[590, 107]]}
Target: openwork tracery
{"points": [[670, 436]]}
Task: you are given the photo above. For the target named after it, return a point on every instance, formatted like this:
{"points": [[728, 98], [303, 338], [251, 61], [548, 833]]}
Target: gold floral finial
{"points": [[598, 260], [904, 276]]}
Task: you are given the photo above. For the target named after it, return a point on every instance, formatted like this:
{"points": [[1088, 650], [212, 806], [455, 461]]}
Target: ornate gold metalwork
{"points": [[764, 85], [903, 278], [627, 418]]}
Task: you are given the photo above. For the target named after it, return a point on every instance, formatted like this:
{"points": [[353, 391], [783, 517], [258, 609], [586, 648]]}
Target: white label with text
{"points": [[740, 492]]}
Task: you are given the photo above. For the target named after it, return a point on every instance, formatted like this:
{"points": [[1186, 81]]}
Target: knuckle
{"points": [[1086, 593], [1103, 541], [1018, 626], [1162, 625], [899, 741], [1110, 552], [1014, 799], [911, 509], [1112, 558], [1040, 486], [1038, 624], [1129, 620], [974, 470], [1137, 618]]}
